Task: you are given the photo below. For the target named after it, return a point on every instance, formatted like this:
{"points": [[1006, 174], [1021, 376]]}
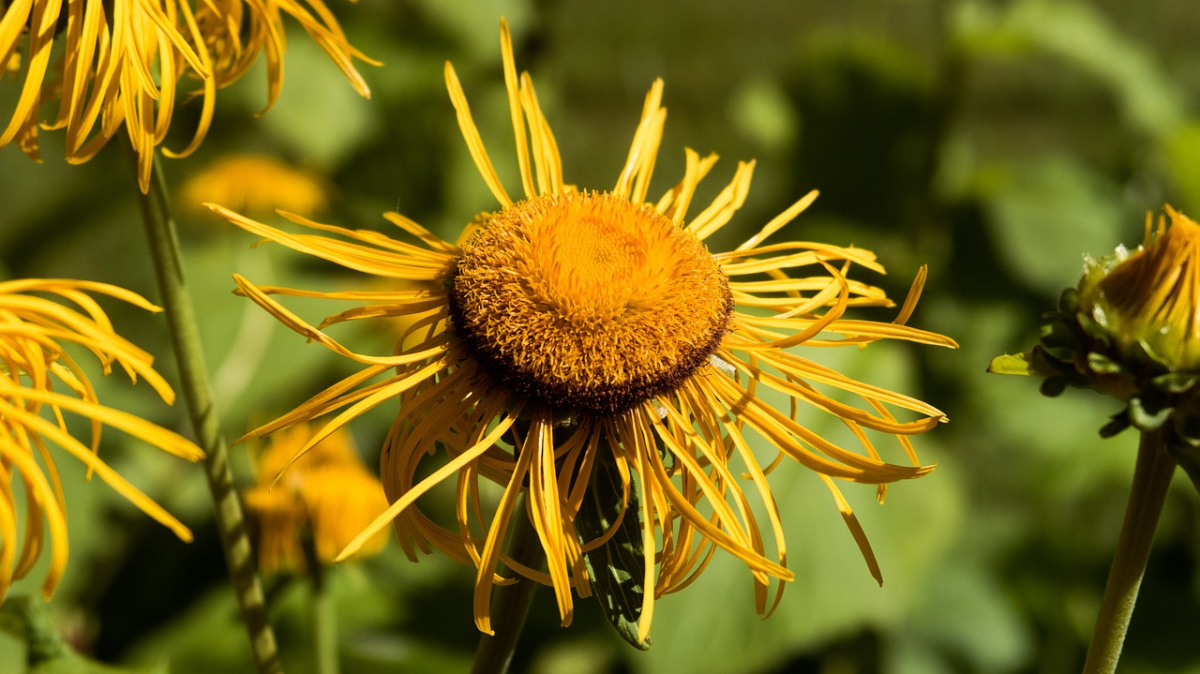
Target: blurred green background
{"points": [[995, 141]]}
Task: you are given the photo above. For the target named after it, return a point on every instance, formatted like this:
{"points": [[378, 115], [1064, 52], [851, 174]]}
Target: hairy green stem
{"points": [[510, 603], [197, 394], [1151, 478]]}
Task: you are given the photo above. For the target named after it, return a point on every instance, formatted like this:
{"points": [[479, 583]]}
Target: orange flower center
{"points": [[587, 301]]}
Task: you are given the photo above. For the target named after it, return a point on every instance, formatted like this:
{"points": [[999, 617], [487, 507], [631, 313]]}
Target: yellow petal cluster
{"points": [[328, 495], [495, 405], [42, 386], [126, 63], [1152, 295]]}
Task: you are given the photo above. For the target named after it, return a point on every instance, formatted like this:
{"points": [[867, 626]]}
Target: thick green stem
{"points": [[1151, 479], [510, 603], [196, 393]]}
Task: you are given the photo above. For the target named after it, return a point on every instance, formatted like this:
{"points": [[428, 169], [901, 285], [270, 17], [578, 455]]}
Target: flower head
{"points": [[584, 348], [124, 62], [41, 386], [328, 495], [1131, 330], [257, 185], [1151, 297]]}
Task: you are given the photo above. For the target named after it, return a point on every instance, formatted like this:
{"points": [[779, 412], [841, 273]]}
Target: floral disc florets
{"points": [[587, 301]]}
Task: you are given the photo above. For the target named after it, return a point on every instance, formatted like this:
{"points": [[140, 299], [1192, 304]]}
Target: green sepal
{"points": [[1175, 382], [1068, 301], [1052, 387], [1101, 364], [1058, 340], [1011, 364], [616, 569], [1147, 416], [1143, 357], [1116, 423], [1094, 329]]}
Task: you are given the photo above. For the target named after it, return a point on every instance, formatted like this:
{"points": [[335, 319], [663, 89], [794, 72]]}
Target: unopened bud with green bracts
{"points": [[1131, 330]]}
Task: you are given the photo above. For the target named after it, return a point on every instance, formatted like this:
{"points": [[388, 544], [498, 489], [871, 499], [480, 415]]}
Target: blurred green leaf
{"points": [[1045, 214], [318, 117], [1182, 151], [968, 614], [476, 23], [762, 112], [1080, 34]]}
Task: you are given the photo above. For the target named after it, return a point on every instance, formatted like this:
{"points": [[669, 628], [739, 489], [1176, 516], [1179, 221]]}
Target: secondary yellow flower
{"points": [[41, 386], [579, 334], [1151, 297], [1131, 330], [257, 185], [329, 493], [124, 61]]}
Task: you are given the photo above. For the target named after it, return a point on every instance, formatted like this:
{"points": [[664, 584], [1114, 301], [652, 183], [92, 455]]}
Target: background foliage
{"points": [[995, 141]]}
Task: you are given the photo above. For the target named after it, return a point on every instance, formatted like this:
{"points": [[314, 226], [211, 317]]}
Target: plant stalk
{"points": [[322, 606], [197, 395], [510, 603], [1151, 478]]}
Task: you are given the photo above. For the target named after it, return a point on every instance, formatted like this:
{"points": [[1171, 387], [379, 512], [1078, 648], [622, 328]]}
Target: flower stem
{"points": [[324, 617], [322, 606], [510, 603], [193, 377], [1151, 478]]}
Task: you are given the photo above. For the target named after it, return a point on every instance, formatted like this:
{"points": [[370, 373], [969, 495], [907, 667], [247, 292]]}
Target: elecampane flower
{"points": [[1151, 296], [124, 62], [41, 387], [1130, 329], [328, 495], [256, 185], [584, 331]]}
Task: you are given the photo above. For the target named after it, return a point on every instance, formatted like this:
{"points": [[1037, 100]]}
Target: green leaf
{"points": [[1080, 35], [616, 569], [1045, 212], [1010, 364]]}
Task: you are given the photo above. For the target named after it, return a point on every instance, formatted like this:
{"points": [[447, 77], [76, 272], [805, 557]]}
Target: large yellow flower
{"points": [[41, 387], [579, 334], [123, 62]]}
